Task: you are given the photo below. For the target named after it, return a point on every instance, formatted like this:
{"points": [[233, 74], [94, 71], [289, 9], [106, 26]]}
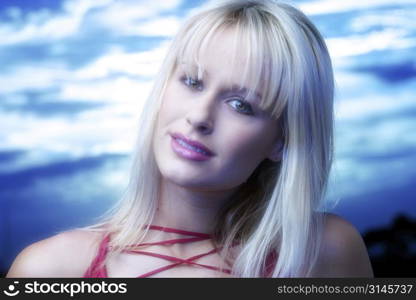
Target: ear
{"points": [[277, 151]]}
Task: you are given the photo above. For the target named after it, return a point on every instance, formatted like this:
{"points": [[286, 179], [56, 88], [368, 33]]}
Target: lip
{"points": [[189, 153]]}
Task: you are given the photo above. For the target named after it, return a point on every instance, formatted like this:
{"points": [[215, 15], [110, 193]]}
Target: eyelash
{"points": [[186, 80]]}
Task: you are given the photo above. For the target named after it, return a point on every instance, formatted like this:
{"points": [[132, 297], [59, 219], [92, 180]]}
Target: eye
{"points": [[241, 106], [192, 83]]}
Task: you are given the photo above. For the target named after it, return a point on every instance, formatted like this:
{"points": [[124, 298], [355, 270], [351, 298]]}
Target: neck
{"points": [[189, 209]]}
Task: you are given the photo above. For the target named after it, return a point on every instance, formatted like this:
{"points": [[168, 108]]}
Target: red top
{"points": [[94, 270]]}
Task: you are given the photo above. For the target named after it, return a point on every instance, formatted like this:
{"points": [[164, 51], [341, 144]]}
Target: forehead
{"points": [[236, 55], [221, 55], [220, 59]]}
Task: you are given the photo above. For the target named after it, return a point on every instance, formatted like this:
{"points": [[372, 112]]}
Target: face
{"points": [[237, 132]]}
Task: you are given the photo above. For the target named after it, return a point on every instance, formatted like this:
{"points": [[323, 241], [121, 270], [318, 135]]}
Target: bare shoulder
{"points": [[343, 252], [67, 254]]}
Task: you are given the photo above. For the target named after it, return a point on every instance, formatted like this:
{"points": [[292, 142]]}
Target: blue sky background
{"points": [[74, 75]]}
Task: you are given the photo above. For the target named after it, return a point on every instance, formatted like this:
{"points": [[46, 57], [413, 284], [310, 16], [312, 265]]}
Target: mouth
{"points": [[190, 149]]}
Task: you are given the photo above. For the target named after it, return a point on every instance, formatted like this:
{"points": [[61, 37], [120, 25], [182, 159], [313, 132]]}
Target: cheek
{"points": [[242, 153], [172, 106], [245, 145], [168, 112]]}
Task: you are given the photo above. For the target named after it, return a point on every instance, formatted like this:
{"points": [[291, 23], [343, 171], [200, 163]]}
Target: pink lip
{"points": [[192, 143], [189, 153]]}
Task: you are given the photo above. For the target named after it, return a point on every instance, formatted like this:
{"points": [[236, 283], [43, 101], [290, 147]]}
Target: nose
{"points": [[201, 115]]}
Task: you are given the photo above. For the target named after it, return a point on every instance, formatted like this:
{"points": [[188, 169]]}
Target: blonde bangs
{"points": [[261, 49]]}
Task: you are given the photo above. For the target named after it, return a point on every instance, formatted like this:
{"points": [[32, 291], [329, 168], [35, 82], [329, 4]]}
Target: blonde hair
{"points": [[276, 211]]}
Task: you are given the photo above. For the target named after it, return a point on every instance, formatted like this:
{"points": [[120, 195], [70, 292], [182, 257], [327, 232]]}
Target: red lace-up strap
{"points": [[196, 236], [96, 271]]}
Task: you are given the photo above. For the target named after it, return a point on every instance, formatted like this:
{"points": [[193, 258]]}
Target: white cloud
{"points": [[94, 82], [375, 138], [88, 134], [145, 63], [361, 44], [115, 79], [352, 177], [126, 17], [165, 26], [123, 17], [35, 76], [104, 184], [120, 89], [42, 25], [395, 18], [386, 142], [370, 151], [331, 6], [372, 125], [34, 157], [373, 105]]}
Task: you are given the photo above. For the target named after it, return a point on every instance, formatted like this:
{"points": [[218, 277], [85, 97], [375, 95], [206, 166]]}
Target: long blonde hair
{"points": [[277, 210]]}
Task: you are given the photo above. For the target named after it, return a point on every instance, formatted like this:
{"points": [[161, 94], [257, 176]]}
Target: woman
{"points": [[233, 156]]}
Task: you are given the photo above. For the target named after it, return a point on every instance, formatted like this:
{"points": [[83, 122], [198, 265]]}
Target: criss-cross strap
{"points": [[180, 231], [197, 236], [93, 271], [179, 261], [169, 242]]}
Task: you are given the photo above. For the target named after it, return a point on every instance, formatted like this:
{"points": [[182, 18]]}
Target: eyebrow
{"points": [[234, 87], [244, 90]]}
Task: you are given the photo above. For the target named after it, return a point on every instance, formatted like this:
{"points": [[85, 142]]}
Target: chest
{"points": [[162, 263]]}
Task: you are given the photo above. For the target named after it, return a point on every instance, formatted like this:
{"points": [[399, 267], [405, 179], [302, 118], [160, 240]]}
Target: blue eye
{"points": [[242, 106], [192, 83]]}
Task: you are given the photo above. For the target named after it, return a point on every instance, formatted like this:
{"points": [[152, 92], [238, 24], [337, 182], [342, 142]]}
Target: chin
{"points": [[186, 180]]}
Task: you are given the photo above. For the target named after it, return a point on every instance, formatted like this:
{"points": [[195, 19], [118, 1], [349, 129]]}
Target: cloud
{"points": [[109, 89], [373, 143], [165, 26], [43, 25], [373, 122], [136, 17], [12, 180], [353, 176], [11, 155], [116, 61], [391, 72], [47, 109], [353, 45], [33, 77], [331, 7], [89, 133], [119, 89], [370, 105], [400, 17]]}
